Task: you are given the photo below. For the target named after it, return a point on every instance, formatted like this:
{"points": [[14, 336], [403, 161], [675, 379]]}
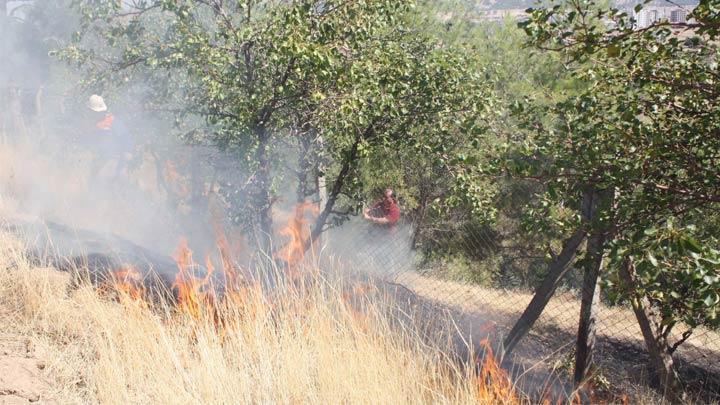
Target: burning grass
{"points": [[300, 344]]}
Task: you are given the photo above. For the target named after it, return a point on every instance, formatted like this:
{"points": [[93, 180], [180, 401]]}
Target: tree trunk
{"points": [[420, 217], [557, 269], [334, 193], [348, 160], [588, 307], [264, 233], [665, 377], [40, 111], [321, 187]]}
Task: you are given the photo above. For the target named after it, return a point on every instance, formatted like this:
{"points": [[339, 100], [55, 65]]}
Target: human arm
{"points": [[377, 220], [381, 220]]}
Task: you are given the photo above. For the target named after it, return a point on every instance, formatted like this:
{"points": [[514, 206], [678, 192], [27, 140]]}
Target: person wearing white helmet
{"points": [[110, 140]]}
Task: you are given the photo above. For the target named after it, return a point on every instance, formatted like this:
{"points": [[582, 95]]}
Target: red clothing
{"points": [[387, 208], [106, 123]]}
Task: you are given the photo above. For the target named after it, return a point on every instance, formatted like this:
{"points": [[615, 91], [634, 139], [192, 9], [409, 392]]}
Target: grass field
{"points": [[305, 345], [620, 352]]}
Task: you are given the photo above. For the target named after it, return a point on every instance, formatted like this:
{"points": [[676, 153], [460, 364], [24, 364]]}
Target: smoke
{"points": [[380, 251], [50, 168]]}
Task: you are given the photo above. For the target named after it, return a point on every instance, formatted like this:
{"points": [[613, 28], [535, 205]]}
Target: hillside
{"points": [[65, 342]]}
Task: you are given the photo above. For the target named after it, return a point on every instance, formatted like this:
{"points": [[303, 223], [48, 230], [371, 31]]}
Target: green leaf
{"points": [[652, 259]]}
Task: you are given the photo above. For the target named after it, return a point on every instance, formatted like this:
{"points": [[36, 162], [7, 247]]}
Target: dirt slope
{"points": [[21, 372]]}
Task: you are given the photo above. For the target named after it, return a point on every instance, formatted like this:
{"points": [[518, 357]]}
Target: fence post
{"points": [[321, 187], [40, 111], [557, 269], [590, 294]]}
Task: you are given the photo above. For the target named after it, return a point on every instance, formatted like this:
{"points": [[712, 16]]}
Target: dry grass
{"points": [[505, 306], [303, 346], [551, 345]]}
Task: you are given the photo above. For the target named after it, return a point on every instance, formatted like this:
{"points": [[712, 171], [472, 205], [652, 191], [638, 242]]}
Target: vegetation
{"points": [[643, 131], [575, 135], [323, 343], [329, 83]]}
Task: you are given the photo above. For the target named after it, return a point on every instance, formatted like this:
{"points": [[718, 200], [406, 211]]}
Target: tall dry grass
{"points": [[302, 346]]}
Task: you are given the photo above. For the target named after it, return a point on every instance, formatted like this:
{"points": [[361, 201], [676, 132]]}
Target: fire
{"points": [[175, 180], [352, 301], [193, 295], [494, 384], [227, 259], [294, 251], [128, 282], [249, 299]]}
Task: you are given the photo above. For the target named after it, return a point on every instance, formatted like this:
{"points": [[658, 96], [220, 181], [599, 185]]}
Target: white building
{"points": [[675, 12]]}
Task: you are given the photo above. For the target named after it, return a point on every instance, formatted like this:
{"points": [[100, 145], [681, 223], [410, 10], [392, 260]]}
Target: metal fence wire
{"points": [[490, 282], [489, 306]]}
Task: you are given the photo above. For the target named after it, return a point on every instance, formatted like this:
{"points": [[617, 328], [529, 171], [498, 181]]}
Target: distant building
{"points": [[675, 12]]}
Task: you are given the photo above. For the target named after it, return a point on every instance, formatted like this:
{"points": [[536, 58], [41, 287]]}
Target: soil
{"points": [[22, 380]]}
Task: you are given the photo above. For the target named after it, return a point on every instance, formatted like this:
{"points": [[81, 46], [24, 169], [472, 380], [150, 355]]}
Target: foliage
{"points": [[457, 267], [645, 125], [330, 82], [515, 75], [679, 275]]}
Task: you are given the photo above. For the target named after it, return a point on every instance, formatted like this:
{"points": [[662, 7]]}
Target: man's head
{"points": [[388, 193], [96, 103]]}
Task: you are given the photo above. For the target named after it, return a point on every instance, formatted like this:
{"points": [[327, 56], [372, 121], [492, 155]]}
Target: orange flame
{"points": [[230, 270], [294, 251], [494, 384], [192, 295], [128, 281], [173, 177], [353, 299]]}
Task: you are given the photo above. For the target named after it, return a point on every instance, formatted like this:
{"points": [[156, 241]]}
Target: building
{"points": [[675, 12]]}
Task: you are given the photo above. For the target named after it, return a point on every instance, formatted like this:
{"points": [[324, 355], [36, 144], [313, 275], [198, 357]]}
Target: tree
{"points": [[478, 219], [645, 129], [329, 81], [29, 31]]}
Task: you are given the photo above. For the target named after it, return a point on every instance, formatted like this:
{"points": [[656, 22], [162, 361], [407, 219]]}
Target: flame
{"points": [[227, 258], [294, 251], [352, 301], [173, 177], [494, 384], [128, 282], [193, 297], [228, 252]]}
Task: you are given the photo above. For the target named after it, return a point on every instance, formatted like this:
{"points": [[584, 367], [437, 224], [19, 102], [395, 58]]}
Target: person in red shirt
{"points": [[385, 212], [108, 140]]}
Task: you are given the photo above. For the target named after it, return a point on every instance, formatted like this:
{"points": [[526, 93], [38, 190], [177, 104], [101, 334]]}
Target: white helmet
{"points": [[96, 103]]}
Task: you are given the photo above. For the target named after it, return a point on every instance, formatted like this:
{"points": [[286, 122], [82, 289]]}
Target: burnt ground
{"points": [[540, 366]]}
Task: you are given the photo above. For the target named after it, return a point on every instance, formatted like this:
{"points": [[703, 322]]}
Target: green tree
{"points": [[644, 132], [327, 81]]}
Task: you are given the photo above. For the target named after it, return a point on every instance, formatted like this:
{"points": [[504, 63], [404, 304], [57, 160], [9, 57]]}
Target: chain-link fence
{"points": [[487, 276], [487, 302]]}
